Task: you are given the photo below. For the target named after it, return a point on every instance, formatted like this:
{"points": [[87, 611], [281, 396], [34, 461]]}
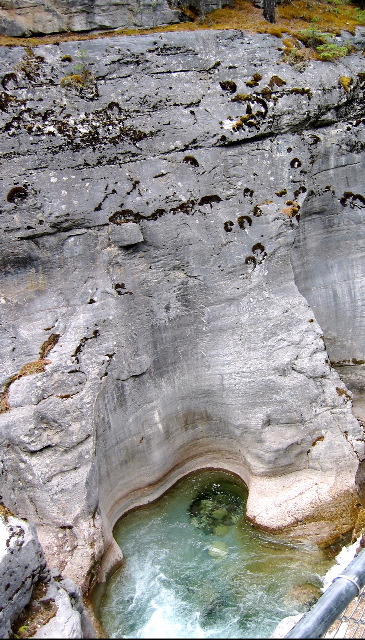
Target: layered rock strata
{"points": [[168, 201], [27, 17]]}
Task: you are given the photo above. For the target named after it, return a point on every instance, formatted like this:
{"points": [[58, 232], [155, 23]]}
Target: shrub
{"points": [[360, 16], [332, 51], [312, 37], [81, 76]]}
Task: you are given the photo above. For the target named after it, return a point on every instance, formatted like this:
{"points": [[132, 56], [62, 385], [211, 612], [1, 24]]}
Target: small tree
{"points": [[269, 10]]}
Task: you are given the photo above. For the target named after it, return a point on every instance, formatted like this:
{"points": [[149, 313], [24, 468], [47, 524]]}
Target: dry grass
{"points": [[36, 614], [38, 366], [4, 402], [5, 512], [291, 17], [28, 369]]}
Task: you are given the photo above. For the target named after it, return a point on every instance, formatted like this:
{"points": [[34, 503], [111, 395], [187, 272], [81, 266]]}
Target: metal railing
{"points": [[332, 602]]}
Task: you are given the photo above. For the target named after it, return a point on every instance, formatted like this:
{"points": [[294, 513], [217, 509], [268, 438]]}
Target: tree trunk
{"points": [[269, 10]]}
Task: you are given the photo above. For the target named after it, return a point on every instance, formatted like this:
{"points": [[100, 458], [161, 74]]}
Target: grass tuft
{"points": [[292, 16]]}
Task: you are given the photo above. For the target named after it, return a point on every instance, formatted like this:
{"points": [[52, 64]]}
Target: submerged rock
{"points": [[218, 550], [216, 510], [303, 595]]}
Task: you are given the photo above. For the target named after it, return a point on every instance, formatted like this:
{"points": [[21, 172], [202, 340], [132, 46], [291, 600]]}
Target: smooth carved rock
{"points": [[197, 347]]}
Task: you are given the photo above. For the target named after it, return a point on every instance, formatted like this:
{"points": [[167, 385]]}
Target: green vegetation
{"points": [[312, 37], [5, 512], [292, 18], [81, 76], [345, 82], [360, 16], [332, 51]]}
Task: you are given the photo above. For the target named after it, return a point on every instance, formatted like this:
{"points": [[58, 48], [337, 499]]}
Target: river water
{"points": [[195, 569]]}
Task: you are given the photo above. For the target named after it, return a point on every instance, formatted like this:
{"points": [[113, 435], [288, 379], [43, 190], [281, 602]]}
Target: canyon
{"points": [[181, 283]]}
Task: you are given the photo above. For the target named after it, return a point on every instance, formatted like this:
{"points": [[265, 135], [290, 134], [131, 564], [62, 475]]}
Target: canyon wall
{"points": [[182, 255], [28, 17], [34, 600]]}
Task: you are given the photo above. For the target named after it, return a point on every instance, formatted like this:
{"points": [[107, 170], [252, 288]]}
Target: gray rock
{"points": [[22, 568], [126, 234], [22, 565], [26, 17], [207, 343], [29, 17], [67, 621]]}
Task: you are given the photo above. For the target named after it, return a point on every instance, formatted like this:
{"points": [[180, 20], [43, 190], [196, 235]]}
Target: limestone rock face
{"points": [[25, 580], [27, 17], [22, 564], [158, 310]]}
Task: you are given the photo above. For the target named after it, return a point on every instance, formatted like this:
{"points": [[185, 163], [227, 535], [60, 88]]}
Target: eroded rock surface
{"points": [[33, 600], [156, 279], [27, 17]]}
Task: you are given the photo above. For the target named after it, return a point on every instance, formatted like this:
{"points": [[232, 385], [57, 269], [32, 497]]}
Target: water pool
{"points": [[193, 568]]}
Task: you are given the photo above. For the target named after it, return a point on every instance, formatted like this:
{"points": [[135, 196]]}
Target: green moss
{"points": [[257, 211], [228, 225], [276, 80], [266, 92], [360, 16], [242, 97], [5, 512], [302, 91], [292, 209], [313, 37], [248, 119], [332, 51], [254, 80], [291, 16], [345, 82], [30, 368], [228, 85], [244, 222], [191, 160], [75, 79], [48, 345]]}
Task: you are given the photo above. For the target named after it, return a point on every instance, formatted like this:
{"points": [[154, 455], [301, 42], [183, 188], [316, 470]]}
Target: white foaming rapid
{"points": [[168, 619], [342, 560]]}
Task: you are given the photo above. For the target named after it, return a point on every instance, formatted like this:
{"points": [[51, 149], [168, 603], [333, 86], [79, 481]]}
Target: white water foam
{"points": [[168, 619], [342, 560]]}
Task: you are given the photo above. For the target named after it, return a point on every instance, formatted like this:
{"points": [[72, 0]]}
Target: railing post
{"points": [[333, 602]]}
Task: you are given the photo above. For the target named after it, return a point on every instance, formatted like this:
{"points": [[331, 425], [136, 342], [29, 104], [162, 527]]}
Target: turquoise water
{"points": [[228, 580]]}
